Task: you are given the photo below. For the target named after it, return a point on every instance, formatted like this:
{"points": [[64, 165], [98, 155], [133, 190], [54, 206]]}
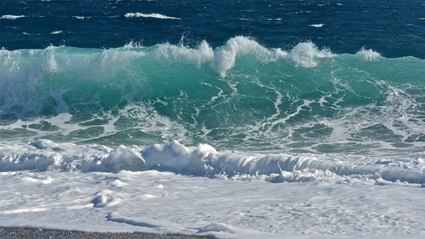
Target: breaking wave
{"points": [[238, 96], [203, 160]]}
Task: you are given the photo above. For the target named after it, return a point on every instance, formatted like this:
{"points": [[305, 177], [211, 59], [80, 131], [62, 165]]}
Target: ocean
{"points": [[229, 119]]}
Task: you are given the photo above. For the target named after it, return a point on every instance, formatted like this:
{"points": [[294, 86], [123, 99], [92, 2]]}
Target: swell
{"points": [[237, 96]]}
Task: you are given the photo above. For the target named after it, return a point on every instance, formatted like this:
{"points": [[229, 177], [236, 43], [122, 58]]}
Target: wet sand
{"points": [[46, 233]]}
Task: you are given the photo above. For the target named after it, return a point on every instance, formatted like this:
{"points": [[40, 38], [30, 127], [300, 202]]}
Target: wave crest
{"points": [[223, 58], [368, 54]]}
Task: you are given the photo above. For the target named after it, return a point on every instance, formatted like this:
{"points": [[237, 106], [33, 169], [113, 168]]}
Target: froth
{"points": [[202, 160]]}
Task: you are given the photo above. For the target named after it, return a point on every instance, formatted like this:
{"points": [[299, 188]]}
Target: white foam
{"points": [[11, 17], [151, 15], [56, 32], [317, 25], [81, 18], [202, 160], [201, 206]]}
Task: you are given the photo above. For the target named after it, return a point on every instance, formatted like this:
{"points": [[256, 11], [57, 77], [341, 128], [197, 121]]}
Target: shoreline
{"points": [[17, 232]]}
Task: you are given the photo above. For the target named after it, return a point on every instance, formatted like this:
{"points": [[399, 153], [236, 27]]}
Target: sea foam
{"points": [[202, 160]]}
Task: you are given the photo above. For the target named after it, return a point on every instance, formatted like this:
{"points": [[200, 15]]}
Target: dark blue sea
{"points": [[392, 28], [341, 81]]}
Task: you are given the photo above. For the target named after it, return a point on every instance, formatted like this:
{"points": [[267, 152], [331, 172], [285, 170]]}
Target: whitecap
{"points": [[152, 15], [368, 54], [306, 54], [11, 17], [317, 25], [56, 32], [80, 17]]}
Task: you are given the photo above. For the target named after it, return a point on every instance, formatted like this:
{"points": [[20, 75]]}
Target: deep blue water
{"points": [[393, 28]]}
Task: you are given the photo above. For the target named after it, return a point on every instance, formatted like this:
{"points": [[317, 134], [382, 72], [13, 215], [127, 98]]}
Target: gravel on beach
{"points": [[46, 233]]}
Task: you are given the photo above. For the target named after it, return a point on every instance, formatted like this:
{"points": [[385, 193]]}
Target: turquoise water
{"points": [[330, 88], [239, 96]]}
